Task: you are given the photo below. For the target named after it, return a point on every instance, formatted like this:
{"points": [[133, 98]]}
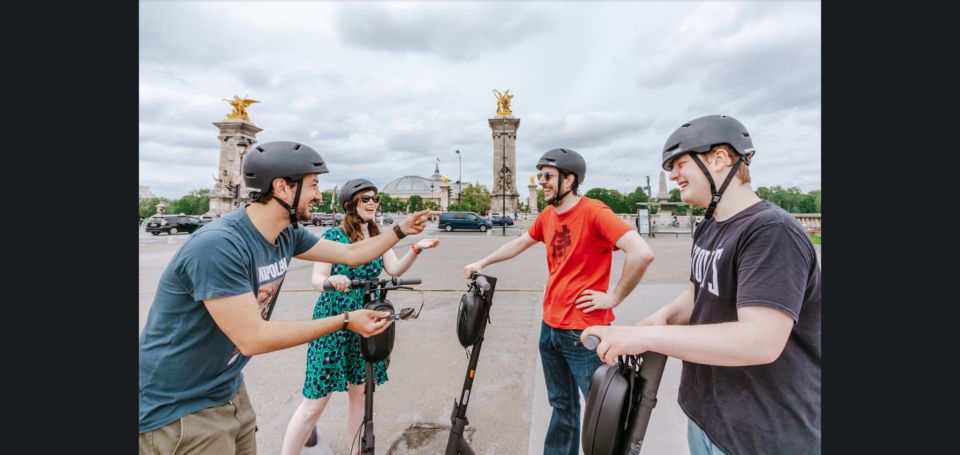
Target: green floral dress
{"points": [[334, 360]]}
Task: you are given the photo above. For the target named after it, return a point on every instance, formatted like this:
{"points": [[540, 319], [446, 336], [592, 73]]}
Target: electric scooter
{"points": [[375, 348], [472, 319], [620, 402]]}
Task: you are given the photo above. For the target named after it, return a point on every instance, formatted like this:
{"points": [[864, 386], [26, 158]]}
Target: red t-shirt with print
{"points": [[580, 244]]}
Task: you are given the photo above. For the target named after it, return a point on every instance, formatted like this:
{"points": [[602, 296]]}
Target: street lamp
{"points": [[503, 177], [459, 176]]}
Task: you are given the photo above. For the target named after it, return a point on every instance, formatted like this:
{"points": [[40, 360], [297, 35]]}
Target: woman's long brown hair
{"points": [[351, 223]]}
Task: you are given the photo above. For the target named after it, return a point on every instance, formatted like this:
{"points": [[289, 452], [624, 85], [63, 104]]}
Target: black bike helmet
{"points": [[353, 187], [281, 159], [567, 162], [378, 347], [470, 317], [699, 136]]}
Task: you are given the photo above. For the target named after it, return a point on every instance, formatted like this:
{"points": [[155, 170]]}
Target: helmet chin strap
{"points": [[296, 203], [557, 198], [715, 195]]}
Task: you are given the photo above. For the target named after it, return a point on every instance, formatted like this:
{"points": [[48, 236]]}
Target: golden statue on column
{"points": [[240, 106], [503, 103]]}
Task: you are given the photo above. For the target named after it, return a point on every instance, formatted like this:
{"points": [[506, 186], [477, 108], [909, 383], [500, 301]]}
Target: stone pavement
{"points": [[508, 412]]}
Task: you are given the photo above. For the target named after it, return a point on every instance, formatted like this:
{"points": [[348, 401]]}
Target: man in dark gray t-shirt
{"points": [[748, 326], [214, 299]]}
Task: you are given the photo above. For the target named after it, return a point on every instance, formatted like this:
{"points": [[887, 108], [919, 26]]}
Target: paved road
{"points": [[508, 413]]}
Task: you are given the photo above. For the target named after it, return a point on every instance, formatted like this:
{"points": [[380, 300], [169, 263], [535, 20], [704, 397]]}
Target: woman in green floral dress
{"points": [[334, 362]]}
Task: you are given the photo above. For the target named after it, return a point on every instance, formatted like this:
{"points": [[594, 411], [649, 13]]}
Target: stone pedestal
{"points": [[532, 200], [229, 192], [504, 164], [444, 197]]}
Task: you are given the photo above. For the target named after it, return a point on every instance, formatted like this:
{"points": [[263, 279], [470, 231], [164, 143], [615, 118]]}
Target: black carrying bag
{"points": [[607, 410], [378, 347], [470, 317]]}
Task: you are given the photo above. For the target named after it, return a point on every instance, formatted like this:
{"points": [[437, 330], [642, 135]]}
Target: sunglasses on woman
{"points": [[367, 198]]}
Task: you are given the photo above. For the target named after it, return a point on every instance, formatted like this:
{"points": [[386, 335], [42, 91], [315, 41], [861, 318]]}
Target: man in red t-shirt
{"points": [[580, 234]]}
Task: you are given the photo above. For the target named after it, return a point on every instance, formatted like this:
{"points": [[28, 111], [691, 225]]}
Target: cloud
{"points": [[383, 89], [746, 56], [427, 28]]}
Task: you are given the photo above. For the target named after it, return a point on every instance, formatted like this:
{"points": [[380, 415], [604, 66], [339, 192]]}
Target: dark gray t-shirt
{"points": [[760, 256], [186, 362]]}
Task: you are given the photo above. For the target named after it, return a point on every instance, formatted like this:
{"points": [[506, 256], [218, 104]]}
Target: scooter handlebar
{"points": [[482, 283], [392, 282], [592, 342]]}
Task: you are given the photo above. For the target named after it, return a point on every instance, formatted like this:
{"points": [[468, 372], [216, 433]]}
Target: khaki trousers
{"points": [[227, 429]]}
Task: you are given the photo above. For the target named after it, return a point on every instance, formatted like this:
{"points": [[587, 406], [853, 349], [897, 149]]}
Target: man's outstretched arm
{"points": [[239, 318], [506, 251]]}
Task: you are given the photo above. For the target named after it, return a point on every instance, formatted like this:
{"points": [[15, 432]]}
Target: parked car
{"points": [[463, 220], [172, 224], [324, 219], [384, 218], [498, 220], [204, 219]]}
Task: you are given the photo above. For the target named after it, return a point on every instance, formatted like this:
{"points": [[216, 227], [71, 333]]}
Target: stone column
{"points": [[662, 193], [444, 196], [504, 163], [236, 138], [532, 199]]}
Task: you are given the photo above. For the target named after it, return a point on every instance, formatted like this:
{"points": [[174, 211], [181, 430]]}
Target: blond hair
{"points": [[743, 173]]}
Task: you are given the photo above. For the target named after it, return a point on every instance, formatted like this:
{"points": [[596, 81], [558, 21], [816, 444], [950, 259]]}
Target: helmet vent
{"points": [[318, 164], [686, 125], [296, 147], [674, 147], [260, 149], [746, 134]]}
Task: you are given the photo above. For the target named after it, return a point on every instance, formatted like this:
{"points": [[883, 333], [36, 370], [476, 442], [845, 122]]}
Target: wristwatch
{"points": [[398, 231]]}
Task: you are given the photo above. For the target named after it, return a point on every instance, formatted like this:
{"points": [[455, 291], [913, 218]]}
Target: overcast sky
{"points": [[382, 89]]}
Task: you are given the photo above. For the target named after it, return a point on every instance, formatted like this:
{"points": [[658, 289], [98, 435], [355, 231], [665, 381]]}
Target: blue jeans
{"points": [[566, 368], [698, 441]]}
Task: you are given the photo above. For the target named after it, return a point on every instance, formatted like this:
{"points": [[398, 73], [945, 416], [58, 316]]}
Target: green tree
{"points": [[415, 203], [475, 198], [431, 205], [197, 202], [763, 193], [815, 194], [388, 203], [791, 199], [541, 202], [613, 198], [638, 195], [807, 204], [148, 207], [675, 195]]}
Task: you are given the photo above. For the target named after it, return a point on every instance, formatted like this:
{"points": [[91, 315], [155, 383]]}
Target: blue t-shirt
{"points": [[186, 362]]}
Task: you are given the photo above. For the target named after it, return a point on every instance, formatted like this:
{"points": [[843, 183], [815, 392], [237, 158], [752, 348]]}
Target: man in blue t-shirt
{"points": [[748, 326], [214, 300]]}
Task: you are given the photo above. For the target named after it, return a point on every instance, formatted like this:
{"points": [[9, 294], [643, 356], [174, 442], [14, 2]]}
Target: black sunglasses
{"points": [[368, 198], [545, 175]]}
